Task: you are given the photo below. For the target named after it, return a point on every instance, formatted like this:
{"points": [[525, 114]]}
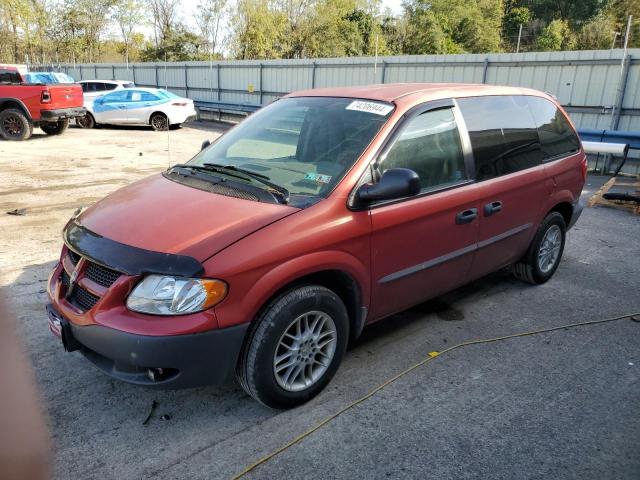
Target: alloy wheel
{"points": [[549, 251], [12, 126], [305, 351]]}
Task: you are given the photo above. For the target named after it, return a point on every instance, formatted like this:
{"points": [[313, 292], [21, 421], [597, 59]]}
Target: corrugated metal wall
{"points": [[588, 83]]}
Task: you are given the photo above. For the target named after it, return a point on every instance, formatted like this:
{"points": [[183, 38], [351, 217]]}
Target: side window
{"points": [[9, 76], [556, 135], [430, 146], [85, 87], [109, 86], [503, 134], [120, 96]]}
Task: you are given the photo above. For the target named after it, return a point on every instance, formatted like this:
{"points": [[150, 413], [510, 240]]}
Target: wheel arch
{"points": [[6, 103], [340, 272], [564, 208], [342, 284], [160, 112]]}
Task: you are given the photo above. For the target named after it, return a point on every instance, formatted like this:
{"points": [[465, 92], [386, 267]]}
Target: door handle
{"points": [[466, 216], [491, 208]]}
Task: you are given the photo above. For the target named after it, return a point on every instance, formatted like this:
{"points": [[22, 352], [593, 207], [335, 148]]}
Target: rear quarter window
{"points": [[9, 76], [503, 134], [557, 138]]}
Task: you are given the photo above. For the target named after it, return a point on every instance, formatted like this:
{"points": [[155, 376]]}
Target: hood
{"points": [[164, 216]]}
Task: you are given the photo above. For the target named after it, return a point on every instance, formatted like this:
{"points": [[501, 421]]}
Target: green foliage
{"points": [[556, 36], [513, 19], [453, 26], [45, 31], [597, 34], [179, 45]]}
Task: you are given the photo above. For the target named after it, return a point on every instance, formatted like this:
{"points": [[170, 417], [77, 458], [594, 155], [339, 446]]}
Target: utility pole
{"points": [[519, 36]]}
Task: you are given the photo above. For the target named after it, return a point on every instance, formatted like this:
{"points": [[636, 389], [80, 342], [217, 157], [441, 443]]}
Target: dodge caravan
{"points": [[270, 250]]}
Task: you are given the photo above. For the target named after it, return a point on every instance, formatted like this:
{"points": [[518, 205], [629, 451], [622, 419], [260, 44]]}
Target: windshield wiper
{"points": [[233, 171], [251, 173], [216, 167]]}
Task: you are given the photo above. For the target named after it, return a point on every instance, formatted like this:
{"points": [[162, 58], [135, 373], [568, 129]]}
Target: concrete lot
{"points": [[557, 405]]}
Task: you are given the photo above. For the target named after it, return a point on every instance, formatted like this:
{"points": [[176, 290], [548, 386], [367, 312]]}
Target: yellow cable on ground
{"points": [[431, 356]]}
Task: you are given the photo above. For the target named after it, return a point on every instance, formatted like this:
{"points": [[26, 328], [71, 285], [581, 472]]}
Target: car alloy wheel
{"points": [[12, 126], [549, 248], [160, 122], [305, 351]]}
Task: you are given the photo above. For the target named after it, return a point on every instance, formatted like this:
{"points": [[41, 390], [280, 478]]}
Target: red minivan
{"points": [[328, 210]]}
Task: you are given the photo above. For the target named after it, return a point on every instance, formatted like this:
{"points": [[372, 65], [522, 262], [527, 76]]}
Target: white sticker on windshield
{"points": [[370, 107]]}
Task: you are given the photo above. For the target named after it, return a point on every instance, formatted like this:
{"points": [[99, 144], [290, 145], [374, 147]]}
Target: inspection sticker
{"points": [[370, 107], [317, 177]]}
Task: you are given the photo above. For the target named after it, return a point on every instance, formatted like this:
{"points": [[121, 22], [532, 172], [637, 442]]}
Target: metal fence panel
{"points": [[586, 82]]}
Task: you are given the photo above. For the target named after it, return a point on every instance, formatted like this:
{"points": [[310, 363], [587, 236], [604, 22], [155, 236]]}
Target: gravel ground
{"points": [[558, 405]]}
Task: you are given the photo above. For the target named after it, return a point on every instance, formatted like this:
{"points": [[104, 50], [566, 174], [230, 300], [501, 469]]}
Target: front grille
{"points": [[80, 297], [64, 279], [75, 258], [101, 275], [83, 299]]}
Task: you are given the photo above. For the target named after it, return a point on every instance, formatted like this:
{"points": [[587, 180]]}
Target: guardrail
{"points": [[632, 139]]}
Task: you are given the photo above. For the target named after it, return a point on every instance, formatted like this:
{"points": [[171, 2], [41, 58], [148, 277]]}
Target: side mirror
{"points": [[205, 144], [395, 183]]}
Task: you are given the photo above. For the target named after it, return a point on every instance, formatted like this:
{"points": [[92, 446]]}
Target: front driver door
{"points": [[423, 246]]}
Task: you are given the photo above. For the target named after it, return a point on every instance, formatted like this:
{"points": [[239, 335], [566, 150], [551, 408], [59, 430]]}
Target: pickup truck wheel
{"points": [[55, 128], [159, 122], [294, 347], [544, 254], [86, 121], [14, 125]]}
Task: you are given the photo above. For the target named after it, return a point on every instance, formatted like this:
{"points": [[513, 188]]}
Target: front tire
{"points": [[55, 128], [294, 347], [14, 125], [543, 256], [159, 122]]}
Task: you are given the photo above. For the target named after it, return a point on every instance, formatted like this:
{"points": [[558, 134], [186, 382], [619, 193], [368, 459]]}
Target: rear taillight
{"points": [[45, 96], [179, 104], [584, 169]]}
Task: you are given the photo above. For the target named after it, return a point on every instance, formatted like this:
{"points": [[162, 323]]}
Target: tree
{"points": [[178, 45], [164, 14], [260, 31], [453, 26], [556, 36], [575, 12], [511, 22], [128, 14], [597, 34], [209, 18]]}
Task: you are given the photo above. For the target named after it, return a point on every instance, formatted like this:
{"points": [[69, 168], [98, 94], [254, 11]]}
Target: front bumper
{"points": [[165, 362], [61, 113], [575, 215]]}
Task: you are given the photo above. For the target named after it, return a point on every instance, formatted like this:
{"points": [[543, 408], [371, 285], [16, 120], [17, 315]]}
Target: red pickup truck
{"points": [[24, 106]]}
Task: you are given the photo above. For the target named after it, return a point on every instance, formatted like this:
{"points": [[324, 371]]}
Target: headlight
{"points": [[162, 295]]}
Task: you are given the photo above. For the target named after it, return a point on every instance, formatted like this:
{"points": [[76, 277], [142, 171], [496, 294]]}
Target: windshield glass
{"points": [[305, 145]]}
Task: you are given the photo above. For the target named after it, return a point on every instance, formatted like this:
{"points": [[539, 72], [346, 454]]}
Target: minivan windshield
{"points": [[303, 144]]}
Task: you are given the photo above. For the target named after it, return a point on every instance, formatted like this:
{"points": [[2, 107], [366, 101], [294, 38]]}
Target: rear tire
{"points": [[159, 122], [86, 121], [545, 252], [56, 128], [294, 347], [14, 125]]}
